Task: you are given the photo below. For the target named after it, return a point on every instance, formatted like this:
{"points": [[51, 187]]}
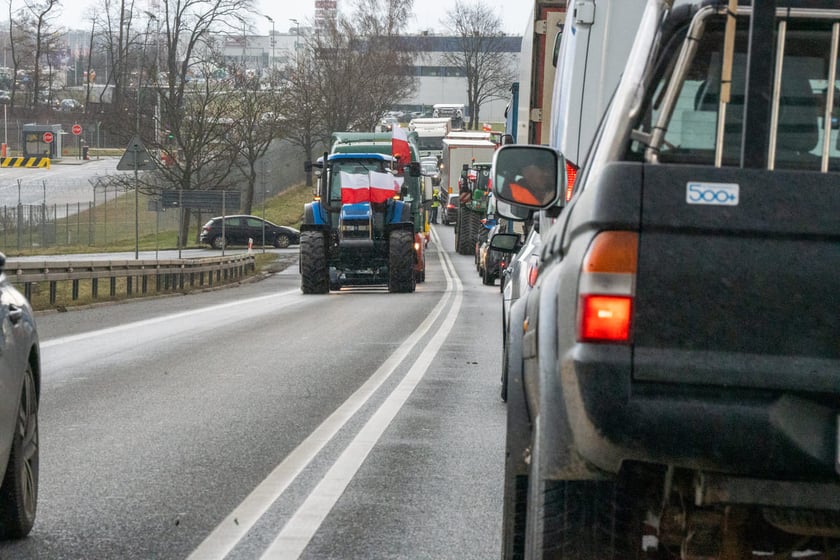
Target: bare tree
{"points": [[16, 49], [192, 115], [41, 13], [299, 105], [480, 54], [350, 73], [252, 130]]}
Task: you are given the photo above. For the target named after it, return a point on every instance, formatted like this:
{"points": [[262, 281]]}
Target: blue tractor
{"points": [[357, 231]]}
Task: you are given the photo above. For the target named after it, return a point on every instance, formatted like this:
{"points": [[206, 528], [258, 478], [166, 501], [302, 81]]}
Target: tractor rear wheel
{"points": [[468, 224], [401, 261], [314, 274]]}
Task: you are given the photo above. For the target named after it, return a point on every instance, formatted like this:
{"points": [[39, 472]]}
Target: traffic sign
{"points": [[77, 129], [48, 137], [136, 157]]}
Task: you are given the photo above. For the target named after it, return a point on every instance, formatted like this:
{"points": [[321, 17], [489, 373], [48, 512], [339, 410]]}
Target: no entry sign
{"points": [[77, 129], [48, 137]]}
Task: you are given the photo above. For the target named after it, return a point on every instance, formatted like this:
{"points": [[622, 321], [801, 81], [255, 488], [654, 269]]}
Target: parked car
{"points": [[239, 229], [20, 375], [69, 105], [449, 211]]}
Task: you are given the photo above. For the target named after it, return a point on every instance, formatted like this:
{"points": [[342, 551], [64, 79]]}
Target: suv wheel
{"points": [[218, 242]]}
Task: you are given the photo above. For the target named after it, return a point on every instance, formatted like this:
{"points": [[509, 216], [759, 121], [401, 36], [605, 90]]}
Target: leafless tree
{"points": [[253, 128], [193, 115], [299, 105], [40, 19], [350, 73], [480, 54]]}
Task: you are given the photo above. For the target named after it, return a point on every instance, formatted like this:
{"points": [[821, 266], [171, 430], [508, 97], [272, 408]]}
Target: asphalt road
{"points": [[255, 422]]}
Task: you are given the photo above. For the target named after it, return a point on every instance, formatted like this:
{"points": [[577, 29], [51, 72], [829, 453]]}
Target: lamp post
{"points": [[273, 40], [297, 37]]}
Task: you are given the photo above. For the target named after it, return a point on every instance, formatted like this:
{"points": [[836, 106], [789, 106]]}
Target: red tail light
{"points": [[571, 174], [607, 288]]}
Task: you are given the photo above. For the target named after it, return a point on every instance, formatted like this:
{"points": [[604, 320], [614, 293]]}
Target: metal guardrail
{"points": [[133, 276]]}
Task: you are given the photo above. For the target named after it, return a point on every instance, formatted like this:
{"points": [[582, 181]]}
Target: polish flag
{"points": [[354, 188], [399, 147], [383, 186]]}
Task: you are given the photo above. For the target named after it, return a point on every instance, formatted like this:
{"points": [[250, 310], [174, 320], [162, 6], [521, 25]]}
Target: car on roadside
{"points": [[226, 231], [69, 105], [20, 374], [449, 210]]}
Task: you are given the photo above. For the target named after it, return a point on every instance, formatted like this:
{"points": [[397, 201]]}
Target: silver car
{"points": [[20, 376]]}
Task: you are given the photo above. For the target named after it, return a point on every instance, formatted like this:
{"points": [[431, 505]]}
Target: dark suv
{"points": [[679, 365], [239, 229]]}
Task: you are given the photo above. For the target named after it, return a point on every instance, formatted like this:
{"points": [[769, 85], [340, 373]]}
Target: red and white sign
{"points": [[48, 137], [77, 129]]}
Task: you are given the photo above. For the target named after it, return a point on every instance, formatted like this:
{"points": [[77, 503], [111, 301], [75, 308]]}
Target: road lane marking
{"points": [[236, 525], [302, 526], [132, 327]]}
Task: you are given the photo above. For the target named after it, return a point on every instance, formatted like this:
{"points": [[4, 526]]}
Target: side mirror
{"points": [[414, 169], [529, 176], [505, 242]]}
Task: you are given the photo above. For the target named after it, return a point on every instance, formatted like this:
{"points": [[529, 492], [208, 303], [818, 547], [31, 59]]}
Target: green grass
{"points": [[113, 225]]}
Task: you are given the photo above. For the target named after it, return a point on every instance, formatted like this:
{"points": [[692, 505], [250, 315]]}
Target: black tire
{"points": [[516, 474], [314, 274], [487, 277], [468, 223], [218, 242], [19, 493], [401, 261], [419, 276], [282, 241], [581, 519]]}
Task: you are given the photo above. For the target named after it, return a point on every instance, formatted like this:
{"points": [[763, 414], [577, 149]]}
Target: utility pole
{"points": [[273, 41]]}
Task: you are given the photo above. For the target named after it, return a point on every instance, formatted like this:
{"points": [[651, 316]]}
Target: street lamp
{"points": [[273, 40], [297, 36]]}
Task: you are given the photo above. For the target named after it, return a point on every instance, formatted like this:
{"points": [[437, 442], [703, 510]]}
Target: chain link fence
{"points": [[97, 211]]}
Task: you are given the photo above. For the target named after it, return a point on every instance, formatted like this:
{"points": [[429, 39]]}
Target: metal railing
{"points": [[127, 278]]}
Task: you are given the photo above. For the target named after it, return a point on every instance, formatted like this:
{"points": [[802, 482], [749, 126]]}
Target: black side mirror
{"points": [[414, 169]]}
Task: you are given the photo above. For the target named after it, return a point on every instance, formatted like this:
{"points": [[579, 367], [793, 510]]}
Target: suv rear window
{"points": [[691, 131]]}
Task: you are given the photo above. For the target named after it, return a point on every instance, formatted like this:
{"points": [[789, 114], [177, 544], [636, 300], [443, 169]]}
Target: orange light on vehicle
{"points": [[571, 174], [607, 288]]}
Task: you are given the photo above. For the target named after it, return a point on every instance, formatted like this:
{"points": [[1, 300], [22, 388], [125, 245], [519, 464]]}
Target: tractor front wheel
{"points": [[314, 273]]}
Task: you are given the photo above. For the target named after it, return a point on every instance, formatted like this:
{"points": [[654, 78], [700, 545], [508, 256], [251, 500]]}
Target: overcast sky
{"points": [[427, 13]]}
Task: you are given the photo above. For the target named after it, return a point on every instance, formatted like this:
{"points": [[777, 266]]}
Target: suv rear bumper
{"points": [[778, 435]]}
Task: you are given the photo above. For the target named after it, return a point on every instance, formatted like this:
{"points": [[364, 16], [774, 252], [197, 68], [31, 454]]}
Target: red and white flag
{"points": [[383, 186], [399, 146], [354, 187]]}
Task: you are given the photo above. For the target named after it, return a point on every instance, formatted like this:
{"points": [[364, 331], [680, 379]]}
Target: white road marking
{"points": [[302, 526], [237, 524], [133, 327]]}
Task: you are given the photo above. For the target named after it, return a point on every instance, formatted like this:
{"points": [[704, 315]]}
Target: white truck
{"points": [[458, 152], [430, 134], [453, 111]]}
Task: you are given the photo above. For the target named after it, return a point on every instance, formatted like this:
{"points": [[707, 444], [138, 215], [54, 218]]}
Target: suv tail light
{"points": [[607, 287]]}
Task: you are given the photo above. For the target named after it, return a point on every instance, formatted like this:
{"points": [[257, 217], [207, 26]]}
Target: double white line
{"points": [[301, 527]]}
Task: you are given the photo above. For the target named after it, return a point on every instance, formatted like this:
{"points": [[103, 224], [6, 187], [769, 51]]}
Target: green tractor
{"points": [[474, 188]]}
